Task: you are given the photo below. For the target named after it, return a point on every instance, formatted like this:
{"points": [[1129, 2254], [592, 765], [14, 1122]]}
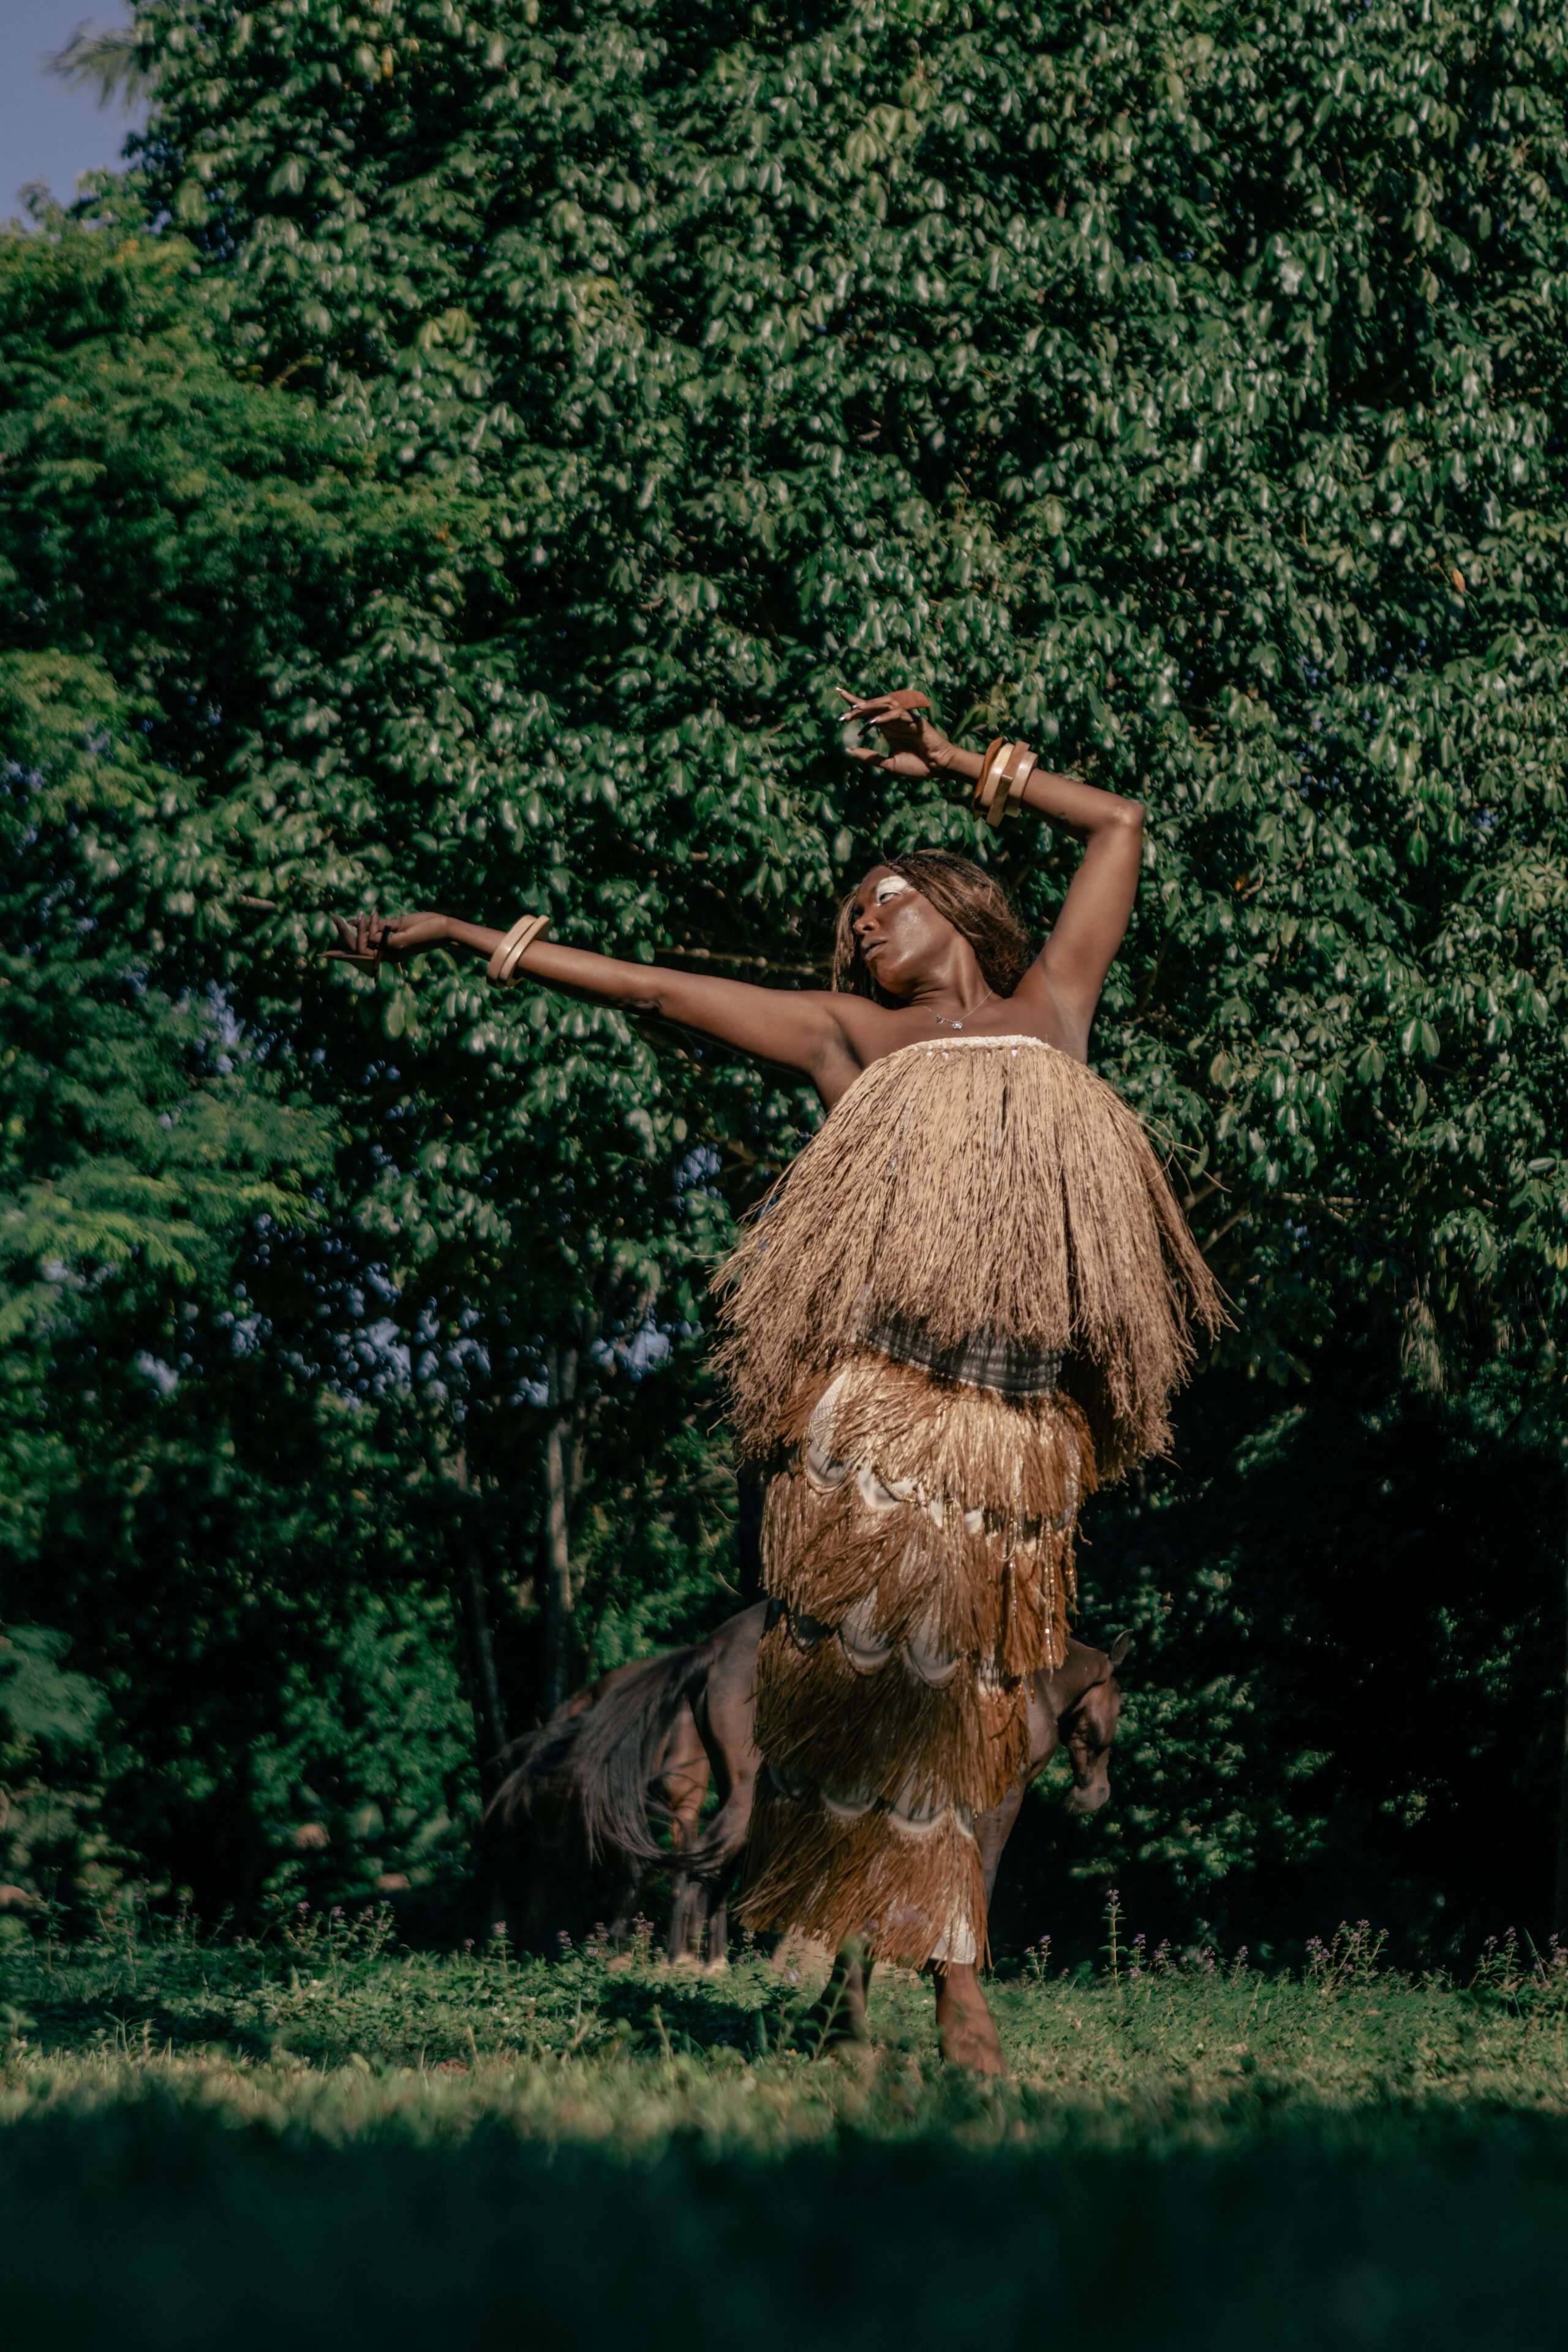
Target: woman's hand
{"points": [[376, 939], [915, 747]]}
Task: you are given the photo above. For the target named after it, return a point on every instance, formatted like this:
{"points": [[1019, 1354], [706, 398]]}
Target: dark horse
{"points": [[641, 1744]]}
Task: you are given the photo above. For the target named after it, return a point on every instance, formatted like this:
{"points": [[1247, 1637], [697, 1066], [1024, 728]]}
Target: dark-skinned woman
{"points": [[968, 1301]]}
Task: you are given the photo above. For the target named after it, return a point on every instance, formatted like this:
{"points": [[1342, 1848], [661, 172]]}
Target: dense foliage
{"points": [[452, 468]]}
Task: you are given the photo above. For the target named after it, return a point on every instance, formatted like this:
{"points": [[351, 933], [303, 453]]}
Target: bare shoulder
{"points": [[864, 1032]]}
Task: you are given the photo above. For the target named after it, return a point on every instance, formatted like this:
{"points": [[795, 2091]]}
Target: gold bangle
{"points": [[994, 770], [991, 748], [996, 783], [504, 963], [1019, 770], [1001, 792]]}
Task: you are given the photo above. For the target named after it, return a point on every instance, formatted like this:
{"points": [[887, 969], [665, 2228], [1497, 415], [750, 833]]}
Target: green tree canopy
{"points": [[576, 395], [1186, 393]]}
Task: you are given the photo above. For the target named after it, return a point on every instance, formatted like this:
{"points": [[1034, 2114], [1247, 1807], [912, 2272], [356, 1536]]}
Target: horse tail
{"points": [[533, 1761], [613, 1753]]}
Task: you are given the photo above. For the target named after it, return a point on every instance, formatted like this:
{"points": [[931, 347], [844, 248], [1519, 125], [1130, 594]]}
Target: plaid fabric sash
{"points": [[985, 1360]]}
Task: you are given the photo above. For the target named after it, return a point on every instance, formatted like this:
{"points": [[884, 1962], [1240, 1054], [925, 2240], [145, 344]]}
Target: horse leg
{"points": [[686, 1920], [718, 1925], [723, 1710], [620, 1927], [718, 1887], [681, 1780], [993, 1830]]}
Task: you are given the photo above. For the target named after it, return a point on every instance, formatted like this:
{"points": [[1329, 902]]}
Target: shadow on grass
{"points": [[696, 2014], [148, 2224], [139, 2026], [253, 2006]]}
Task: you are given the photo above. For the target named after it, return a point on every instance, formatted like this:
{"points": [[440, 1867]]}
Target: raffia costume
{"points": [[966, 1303]]}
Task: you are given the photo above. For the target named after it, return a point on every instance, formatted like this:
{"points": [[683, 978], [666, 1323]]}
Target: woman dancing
{"points": [[967, 1302]]}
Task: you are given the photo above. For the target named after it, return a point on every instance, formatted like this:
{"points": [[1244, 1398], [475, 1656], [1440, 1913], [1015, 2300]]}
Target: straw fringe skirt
{"points": [[917, 1552]]}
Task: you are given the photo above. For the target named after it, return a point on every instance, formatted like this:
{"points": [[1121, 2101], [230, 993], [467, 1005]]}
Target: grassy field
{"points": [[319, 2138]]}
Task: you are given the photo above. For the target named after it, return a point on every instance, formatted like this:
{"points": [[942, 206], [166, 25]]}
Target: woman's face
{"points": [[900, 934]]}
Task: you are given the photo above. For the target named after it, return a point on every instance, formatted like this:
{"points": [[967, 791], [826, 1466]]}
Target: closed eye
{"points": [[890, 888]]}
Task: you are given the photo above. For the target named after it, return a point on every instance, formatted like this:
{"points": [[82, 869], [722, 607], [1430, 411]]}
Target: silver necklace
{"points": [[943, 1022]]}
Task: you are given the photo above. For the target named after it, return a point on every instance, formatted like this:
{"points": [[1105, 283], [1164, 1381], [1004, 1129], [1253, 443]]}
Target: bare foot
{"points": [[839, 2012], [965, 2032]]}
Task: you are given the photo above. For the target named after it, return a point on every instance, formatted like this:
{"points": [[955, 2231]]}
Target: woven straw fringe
{"points": [[971, 1598], [886, 1733], [919, 1545], [903, 1889], [989, 1186], [992, 1580]]}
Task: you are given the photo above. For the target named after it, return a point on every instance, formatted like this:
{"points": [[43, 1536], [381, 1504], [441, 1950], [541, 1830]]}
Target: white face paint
{"points": [[890, 886]]}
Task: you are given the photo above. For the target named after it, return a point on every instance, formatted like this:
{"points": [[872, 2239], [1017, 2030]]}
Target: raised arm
{"points": [[1092, 923], [796, 1027], [1088, 932]]}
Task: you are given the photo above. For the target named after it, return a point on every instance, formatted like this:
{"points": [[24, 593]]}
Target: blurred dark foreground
{"points": [[324, 2141], [154, 2225]]}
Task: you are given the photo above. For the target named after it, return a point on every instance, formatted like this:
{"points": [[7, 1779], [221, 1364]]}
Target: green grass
{"points": [[320, 2140]]}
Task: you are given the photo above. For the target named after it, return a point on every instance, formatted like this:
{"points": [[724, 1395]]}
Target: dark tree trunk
{"points": [[489, 1712], [561, 1475], [484, 1682], [479, 1660]]}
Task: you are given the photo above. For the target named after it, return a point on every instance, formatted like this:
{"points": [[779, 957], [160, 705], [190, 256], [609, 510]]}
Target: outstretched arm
{"points": [[1082, 947], [796, 1027]]}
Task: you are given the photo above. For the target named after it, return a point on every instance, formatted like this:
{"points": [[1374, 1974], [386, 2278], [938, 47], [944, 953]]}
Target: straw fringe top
{"points": [[965, 1188]]}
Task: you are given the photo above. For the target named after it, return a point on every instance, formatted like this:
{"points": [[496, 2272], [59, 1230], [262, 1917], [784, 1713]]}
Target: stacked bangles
{"points": [[1004, 772], [503, 967]]}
